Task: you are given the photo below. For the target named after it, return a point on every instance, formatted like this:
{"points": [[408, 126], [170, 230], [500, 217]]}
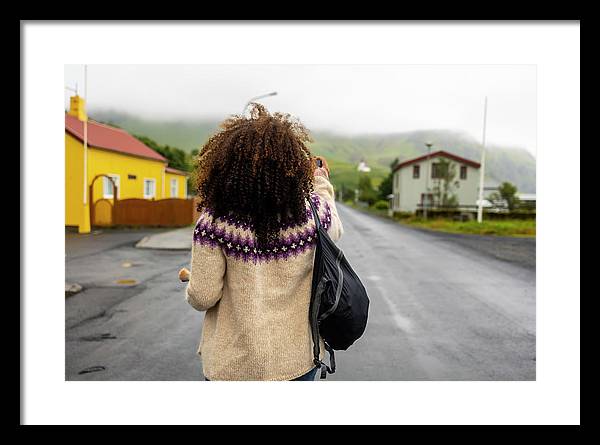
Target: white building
{"points": [[363, 167], [527, 200], [526, 197], [410, 182]]}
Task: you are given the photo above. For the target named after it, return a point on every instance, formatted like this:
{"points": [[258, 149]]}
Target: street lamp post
{"points": [[274, 93], [426, 201], [482, 167]]}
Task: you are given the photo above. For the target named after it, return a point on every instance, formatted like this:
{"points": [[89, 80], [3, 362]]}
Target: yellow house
{"points": [[95, 153], [176, 182]]}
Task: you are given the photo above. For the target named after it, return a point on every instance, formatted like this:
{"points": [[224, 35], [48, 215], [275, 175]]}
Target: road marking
{"points": [[403, 323]]}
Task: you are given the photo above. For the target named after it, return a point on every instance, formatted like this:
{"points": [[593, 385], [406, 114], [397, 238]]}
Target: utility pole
{"points": [[426, 201], [85, 138], [482, 168], [86, 224]]}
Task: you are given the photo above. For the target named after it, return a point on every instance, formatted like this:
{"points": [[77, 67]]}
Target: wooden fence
{"points": [[171, 212], [470, 212]]}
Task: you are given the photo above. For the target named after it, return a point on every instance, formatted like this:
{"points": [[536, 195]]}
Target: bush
{"points": [[368, 196], [515, 214], [403, 215], [381, 205]]}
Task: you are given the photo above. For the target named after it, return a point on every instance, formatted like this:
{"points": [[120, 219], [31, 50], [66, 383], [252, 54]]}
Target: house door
{"points": [[102, 213], [102, 210], [429, 202]]}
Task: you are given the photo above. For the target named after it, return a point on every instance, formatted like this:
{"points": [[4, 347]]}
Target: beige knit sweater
{"points": [[256, 324]]}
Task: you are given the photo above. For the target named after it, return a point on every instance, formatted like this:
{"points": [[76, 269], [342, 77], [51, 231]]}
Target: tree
{"points": [[445, 183], [386, 186], [366, 192], [508, 193], [176, 157], [345, 192]]}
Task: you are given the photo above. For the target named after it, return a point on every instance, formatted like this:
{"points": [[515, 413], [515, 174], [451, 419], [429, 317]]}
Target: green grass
{"points": [[507, 227], [346, 173]]}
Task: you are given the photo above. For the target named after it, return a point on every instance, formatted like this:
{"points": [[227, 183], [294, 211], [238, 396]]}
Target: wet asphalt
{"points": [[443, 307]]}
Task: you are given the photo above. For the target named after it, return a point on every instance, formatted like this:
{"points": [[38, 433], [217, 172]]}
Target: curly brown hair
{"points": [[257, 169]]}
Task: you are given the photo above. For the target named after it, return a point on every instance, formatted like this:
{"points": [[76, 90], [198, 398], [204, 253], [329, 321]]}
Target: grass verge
{"points": [[505, 227]]}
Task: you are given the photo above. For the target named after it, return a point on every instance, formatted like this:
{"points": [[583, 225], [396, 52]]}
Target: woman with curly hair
{"points": [[253, 249]]}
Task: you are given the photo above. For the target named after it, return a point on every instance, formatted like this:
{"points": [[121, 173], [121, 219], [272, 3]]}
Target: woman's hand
{"points": [[323, 170], [184, 275]]}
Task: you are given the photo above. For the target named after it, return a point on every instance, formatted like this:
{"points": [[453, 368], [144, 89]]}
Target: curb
{"points": [[142, 244]]}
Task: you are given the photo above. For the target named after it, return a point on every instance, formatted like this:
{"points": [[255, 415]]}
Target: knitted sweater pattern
{"points": [[256, 300]]}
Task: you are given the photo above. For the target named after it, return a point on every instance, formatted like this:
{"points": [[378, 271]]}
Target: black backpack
{"points": [[339, 304]]}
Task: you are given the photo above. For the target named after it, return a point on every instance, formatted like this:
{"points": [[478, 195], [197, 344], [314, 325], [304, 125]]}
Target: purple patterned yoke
{"points": [[221, 233]]}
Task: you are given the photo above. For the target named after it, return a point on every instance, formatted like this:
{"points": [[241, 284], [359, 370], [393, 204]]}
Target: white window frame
{"points": [[176, 188], [416, 167], [117, 179], [153, 180]]}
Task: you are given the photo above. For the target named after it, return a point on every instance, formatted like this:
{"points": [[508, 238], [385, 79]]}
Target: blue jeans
{"points": [[310, 375]]}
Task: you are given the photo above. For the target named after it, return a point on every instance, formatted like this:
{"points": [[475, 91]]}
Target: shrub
{"points": [[403, 215], [381, 205]]}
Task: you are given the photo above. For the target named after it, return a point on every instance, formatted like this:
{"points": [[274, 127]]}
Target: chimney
{"points": [[77, 108]]}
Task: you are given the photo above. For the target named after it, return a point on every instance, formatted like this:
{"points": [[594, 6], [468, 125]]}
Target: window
{"points": [[174, 188], [107, 186], [416, 171], [149, 188], [439, 171], [463, 172]]}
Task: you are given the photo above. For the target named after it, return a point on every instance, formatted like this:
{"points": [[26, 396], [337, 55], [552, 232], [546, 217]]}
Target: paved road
{"points": [[442, 308]]}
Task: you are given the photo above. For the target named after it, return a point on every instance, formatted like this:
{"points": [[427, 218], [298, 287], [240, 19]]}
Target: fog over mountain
{"points": [[503, 163], [348, 99]]}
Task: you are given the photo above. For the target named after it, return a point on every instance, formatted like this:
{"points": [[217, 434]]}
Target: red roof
{"points": [[110, 138], [176, 171], [442, 153]]}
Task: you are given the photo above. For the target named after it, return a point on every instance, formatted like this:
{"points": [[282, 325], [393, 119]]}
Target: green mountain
{"points": [[344, 152], [187, 135]]}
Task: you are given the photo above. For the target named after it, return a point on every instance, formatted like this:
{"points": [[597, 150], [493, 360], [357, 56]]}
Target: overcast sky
{"points": [[347, 99]]}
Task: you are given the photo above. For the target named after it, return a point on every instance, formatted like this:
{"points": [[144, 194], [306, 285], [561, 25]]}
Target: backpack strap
{"points": [[323, 366], [314, 325], [315, 213], [315, 303]]}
